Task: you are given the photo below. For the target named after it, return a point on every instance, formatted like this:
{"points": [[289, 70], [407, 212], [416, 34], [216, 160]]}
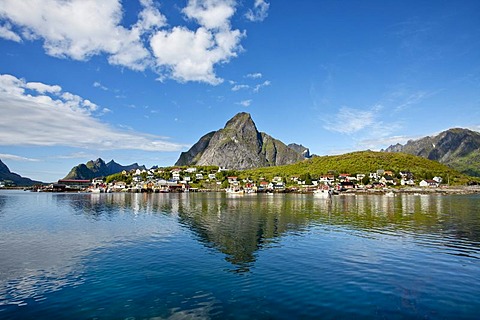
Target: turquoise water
{"points": [[211, 256]]}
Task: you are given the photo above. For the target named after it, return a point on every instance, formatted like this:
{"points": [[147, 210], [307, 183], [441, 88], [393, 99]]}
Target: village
{"points": [[193, 179]]}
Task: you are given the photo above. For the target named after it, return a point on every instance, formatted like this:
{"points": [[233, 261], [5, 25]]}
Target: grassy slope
{"points": [[363, 162]]}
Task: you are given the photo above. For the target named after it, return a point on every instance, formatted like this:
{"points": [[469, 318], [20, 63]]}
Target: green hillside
{"points": [[363, 162]]}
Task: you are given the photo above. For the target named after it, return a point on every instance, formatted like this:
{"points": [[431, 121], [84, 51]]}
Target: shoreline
{"points": [[443, 190]]}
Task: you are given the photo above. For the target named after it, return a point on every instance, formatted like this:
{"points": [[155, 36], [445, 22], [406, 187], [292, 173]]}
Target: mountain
{"points": [[98, 168], [239, 145], [7, 175], [458, 148]]}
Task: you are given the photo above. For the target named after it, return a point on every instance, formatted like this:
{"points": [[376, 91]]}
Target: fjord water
{"points": [[214, 256]]}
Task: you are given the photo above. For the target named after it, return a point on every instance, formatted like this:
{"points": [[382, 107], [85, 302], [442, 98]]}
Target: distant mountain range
{"points": [[98, 168], [239, 145], [457, 148], [16, 179]]}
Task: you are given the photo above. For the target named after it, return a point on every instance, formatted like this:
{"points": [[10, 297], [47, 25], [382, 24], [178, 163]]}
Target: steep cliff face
{"points": [[239, 145], [98, 168], [191, 156], [457, 148]]}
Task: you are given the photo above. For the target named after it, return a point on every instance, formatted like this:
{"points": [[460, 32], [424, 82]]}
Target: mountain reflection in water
{"points": [[239, 226]]}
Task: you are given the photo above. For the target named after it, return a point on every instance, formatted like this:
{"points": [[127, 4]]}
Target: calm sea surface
{"points": [[214, 256]]}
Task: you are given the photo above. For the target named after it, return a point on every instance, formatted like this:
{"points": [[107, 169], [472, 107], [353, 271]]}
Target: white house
{"points": [[407, 182], [438, 179], [176, 175], [428, 183]]}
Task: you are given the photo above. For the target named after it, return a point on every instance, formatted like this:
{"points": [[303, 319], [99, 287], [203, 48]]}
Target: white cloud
{"points": [[80, 29], [211, 14], [245, 103], [43, 88], [15, 157], [7, 33], [349, 120], [46, 118], [413, 99], [254, 75], [238, 87], [259, 11], [257, 88], [97, 84], [186, 55]]}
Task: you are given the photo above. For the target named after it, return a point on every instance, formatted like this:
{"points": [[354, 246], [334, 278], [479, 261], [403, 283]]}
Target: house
{"points": [[327, 179], [199, 176], [119, 186], [212, 176], [345, 185], [176, 175], [386, 179], [191, 170], [438, 179], [232, 180], [360, 176], [407, 182], [263, 185], [277, 179], [429, 183], [74, 183], [406, 175]]}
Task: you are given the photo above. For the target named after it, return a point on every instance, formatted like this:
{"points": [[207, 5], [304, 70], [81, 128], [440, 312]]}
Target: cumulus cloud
{"points": [[7, 33], [212, 14], [187, 55], [259, 11], [36, 114], [80, 29]]}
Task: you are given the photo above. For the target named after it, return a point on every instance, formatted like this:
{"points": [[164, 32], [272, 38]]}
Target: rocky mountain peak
{"points": [[458, 148], [239, 145], [98, 168]]}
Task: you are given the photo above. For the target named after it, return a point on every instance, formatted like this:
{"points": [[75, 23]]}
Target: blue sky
{"points": [[141, 81]]}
